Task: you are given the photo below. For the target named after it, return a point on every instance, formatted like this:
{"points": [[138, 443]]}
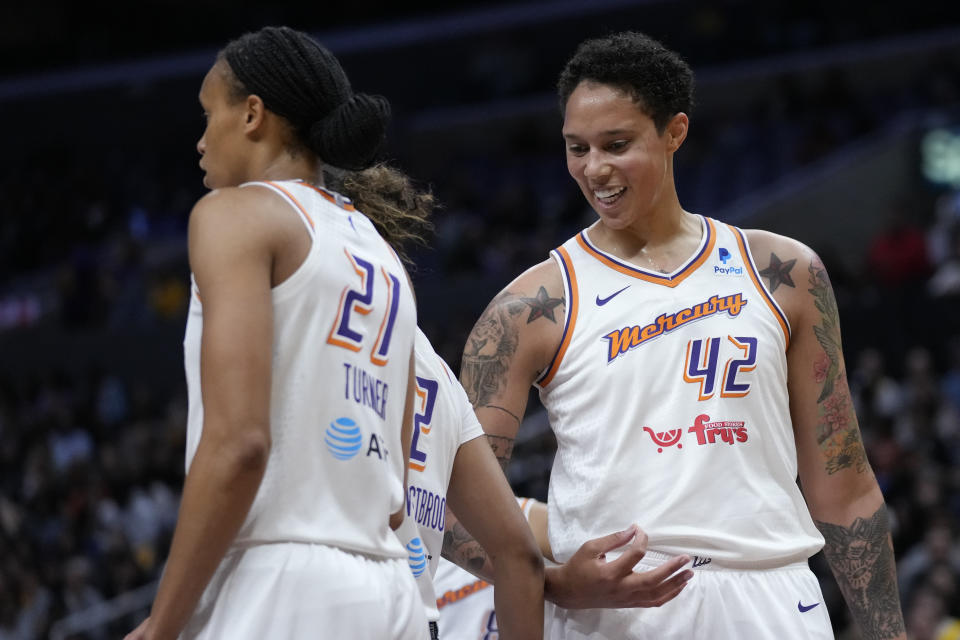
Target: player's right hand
{"points": [[589, 581]]}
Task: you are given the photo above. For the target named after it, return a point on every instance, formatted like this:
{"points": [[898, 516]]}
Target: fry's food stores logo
{"points": [[729, 431]]}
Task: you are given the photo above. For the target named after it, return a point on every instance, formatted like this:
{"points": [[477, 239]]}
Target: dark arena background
{"points": [[837, 123]]}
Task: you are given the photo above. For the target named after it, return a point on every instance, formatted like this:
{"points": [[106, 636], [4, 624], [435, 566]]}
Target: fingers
{"points": [[650, 589], [599, 546], [632, 555]]}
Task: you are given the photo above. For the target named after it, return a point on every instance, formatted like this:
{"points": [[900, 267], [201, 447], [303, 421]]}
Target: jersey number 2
{"points": [[427, 396]]}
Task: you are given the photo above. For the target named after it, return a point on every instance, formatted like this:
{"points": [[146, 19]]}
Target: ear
{"points": [[676, 131], [254, 114]]}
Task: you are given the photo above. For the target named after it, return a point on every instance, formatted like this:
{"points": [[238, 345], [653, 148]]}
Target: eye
{"points": [[577, 149], [618, 145]]}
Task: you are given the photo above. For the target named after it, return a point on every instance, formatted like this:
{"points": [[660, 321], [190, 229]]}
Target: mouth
{"points": [[608, 196]]}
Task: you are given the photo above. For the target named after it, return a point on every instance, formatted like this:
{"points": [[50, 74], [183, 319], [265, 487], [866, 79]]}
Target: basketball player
{"points": [[691, 372], [299, 360], [451, 464]]}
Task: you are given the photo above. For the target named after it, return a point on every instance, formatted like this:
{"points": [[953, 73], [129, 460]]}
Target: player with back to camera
{"points": [[299, 361], [691, 372]]}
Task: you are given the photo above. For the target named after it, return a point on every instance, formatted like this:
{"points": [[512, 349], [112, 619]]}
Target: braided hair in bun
{"points": [[299, 79]]}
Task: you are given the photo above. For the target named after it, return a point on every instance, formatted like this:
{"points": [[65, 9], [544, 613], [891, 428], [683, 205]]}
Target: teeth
{"points": [[608, 193]]}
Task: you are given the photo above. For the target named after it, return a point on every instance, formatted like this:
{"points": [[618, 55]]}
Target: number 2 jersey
{"points": [[668, 398], [443, 420], [343, 330]]}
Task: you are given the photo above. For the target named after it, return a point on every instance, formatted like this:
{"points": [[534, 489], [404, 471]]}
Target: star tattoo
{"points": [[779, 272], [542, 306]]}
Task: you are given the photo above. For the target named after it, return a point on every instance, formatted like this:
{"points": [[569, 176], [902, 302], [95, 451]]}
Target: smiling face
{"points": [[222, 147], [623, 166]]}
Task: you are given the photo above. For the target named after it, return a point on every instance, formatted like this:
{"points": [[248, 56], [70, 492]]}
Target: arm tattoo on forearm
{"points": [[837, 432], [861, 557], [502, 449], [460, 548], [490, 347]]}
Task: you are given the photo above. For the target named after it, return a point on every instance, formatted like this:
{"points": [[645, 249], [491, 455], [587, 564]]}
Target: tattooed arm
{"points": [[511, 344], [837, 481]]}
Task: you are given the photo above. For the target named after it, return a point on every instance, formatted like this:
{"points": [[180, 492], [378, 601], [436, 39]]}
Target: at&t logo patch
{"points": [[416, 557], [343, 438]]}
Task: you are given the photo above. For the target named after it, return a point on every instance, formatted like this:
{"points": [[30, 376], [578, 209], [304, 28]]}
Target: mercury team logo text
{"points": [[619, 341]]}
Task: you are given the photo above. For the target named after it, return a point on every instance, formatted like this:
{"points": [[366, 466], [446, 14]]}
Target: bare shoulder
{"points": [[251, 205], [519, 332], [249, 217], [535, 295], [788, 268]]}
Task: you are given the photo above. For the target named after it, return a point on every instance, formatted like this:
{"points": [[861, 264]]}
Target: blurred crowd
{"points": [[93, 241]]}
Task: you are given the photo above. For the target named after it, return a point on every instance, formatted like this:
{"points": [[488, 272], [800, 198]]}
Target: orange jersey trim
{"points": [[647, 276], [294, 201], [574, 296], [752, 270], [344, 203]]}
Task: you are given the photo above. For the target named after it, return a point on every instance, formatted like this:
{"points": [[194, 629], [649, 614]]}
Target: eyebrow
{"points": [[609, 132]]}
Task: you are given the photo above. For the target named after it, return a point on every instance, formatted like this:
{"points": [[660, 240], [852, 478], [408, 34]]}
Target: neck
{"points": [[286, 167], [276, 162], [659, 242]]}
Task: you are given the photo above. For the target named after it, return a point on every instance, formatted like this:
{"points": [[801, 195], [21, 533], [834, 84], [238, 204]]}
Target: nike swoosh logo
{"points": [[804, 609], [603, 301]]}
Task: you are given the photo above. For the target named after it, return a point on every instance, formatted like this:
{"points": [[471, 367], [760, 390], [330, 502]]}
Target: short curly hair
{"points": [[656, 78]]}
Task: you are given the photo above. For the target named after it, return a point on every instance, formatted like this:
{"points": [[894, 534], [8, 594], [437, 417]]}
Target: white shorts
{"points": [[292, 590], [718, 603]]}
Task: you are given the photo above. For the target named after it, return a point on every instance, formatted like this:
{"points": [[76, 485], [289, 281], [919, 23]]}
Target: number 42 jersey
{"points": [[344, 325], [668, 398]]}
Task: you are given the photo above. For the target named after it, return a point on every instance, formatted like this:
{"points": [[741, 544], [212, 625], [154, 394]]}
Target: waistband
{"points": [[653, 559]]}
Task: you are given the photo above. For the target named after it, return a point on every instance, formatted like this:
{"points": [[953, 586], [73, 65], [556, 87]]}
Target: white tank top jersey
{"points": [[343, 333], [466, 605], [668, 398], [443, 420]]}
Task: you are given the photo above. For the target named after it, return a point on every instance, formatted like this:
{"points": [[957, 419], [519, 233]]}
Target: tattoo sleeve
{"points": [[837, 431], [502, 449], [490, 347], [861, 558], [460, 548]]}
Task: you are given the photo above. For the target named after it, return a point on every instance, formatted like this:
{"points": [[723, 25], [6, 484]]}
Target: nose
{"points": [[202, 144], [595, 167]]}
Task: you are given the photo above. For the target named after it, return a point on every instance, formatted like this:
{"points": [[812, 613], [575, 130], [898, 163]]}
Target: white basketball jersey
{"points": [[466, 605], [668, 398], [343, 335], [443, 420]]}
